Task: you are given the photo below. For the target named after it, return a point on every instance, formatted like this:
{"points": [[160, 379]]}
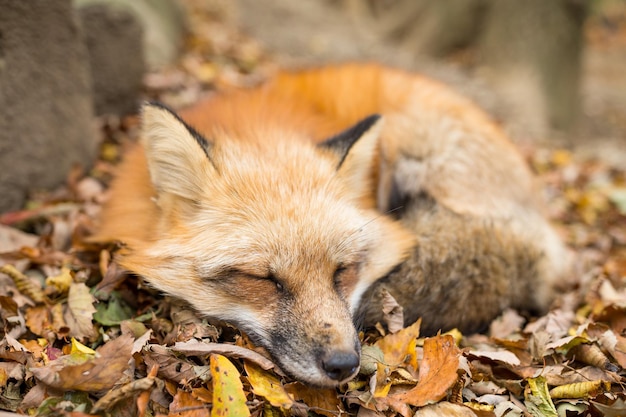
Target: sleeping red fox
{"points": [[285, 209]]}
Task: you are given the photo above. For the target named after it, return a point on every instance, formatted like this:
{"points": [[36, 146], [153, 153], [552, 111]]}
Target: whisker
{"points": [[346, 241]]}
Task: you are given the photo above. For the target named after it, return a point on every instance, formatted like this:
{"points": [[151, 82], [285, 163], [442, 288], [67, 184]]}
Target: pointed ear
{"points": [[178, 157], [357, 149], [341, 143]]}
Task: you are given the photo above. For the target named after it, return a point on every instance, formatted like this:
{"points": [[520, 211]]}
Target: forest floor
{"points": [[82, 338]]}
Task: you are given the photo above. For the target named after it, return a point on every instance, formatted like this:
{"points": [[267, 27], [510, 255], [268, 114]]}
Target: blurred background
{"points": [[551, 72]]}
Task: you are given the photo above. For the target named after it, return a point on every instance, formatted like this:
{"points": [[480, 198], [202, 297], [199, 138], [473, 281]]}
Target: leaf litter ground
{"points": [[79, 337]]}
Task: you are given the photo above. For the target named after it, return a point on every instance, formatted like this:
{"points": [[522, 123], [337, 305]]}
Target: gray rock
{"points": [[114, 38], [46, 115], [163, 23]]}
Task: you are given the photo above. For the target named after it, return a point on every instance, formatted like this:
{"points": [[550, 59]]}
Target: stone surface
{"points": [[114, 39], [163, 23], [46, 116]]}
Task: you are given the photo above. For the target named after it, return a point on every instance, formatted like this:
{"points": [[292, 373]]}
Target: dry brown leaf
{"points": [[125, 391], [394, 403], [616, 408], [171, 367], [556, 323], [508, 323], [366, 412], [591, 354], [39, 320], [323, 401], [445, 409], [393, 313], [504, 356], [97, 374], [185, 405], [204, 394], [12, 239], [111, 279], [196, 348], [437, 372], [79, 313]]}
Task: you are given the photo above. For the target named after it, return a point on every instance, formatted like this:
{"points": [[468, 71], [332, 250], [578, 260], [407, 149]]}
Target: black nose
{"points": [[340, 365]]}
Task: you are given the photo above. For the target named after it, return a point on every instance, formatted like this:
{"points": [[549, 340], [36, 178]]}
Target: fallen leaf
{"points": [[399, 348], [509, 322], [564, 344], [371, 356], [173, 368], [591, 354], [79, 314], [508, 409], [538, 399], [78, 347], [125, 391], [229, 399], [437, 372], [194, 347], [24, 284], [96, 374], [579, 390], [617, 408], [62, 281], [504, 356], [267, 386], [185, 405], [393, 313], [382, 381], [12, 239], [39, 320], [113, 311], [445, 409], [323, 401]]}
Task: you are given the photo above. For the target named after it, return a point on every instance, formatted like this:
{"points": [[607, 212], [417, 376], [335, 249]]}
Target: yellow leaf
{"points": [[383, 381], [78, 347], [579, 389], [24, 284], [561, 157], [537, 398], [229, 398], [62, 281], [400, 348], [456, 334], [268, 386]]}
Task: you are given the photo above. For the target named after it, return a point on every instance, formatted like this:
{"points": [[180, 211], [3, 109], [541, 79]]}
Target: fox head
{"points": [[269, 233]]}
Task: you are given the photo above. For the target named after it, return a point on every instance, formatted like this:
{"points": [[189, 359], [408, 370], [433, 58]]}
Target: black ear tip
{"points": [[158, 105], [371, 119], [342, 142]]}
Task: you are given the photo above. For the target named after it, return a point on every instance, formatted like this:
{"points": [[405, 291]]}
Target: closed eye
{"points": [[234, 272], [279, 286], [337, 274], [345, 278]]}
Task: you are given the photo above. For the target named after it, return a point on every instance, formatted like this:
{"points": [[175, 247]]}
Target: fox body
{"points": [[286, 210]]}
